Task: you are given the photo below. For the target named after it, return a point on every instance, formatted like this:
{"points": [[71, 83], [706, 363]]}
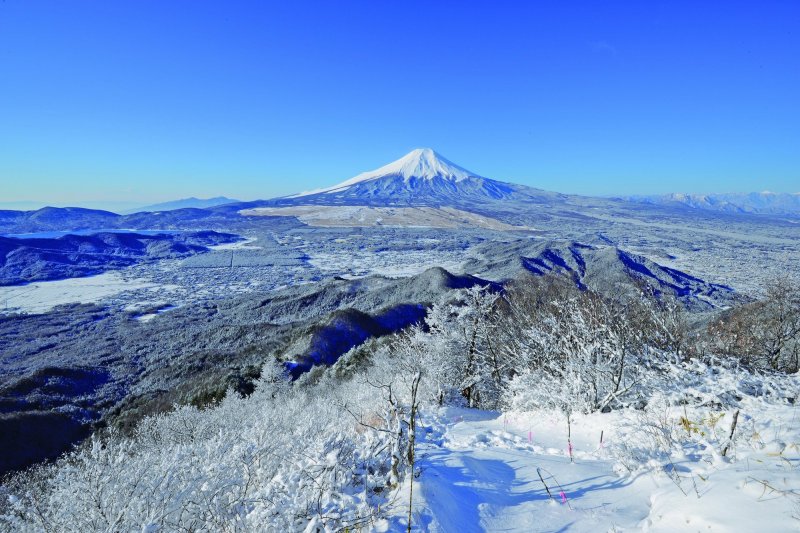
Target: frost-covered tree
{"points": [[281, 459], [777, 334], [765, 333], [577, 352], [463, 353]]}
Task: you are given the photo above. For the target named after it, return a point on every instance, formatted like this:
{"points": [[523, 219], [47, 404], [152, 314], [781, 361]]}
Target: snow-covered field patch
{"points": [[387, 263], [365, 216], [42, 296], [246, 244]]}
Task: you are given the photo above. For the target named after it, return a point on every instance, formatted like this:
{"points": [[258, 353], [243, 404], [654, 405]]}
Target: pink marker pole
{"points": [[530, 436], [563, 497]]}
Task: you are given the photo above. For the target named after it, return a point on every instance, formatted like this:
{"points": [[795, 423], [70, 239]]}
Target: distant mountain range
{"points": [[60, 219], [184, 203], [760, 203], [55, 218], [32, 205], [424, 177]]}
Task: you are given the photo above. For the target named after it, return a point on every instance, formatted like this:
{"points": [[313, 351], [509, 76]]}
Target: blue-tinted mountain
{"points": [[56, 218], [192, 202], [41, 259]]}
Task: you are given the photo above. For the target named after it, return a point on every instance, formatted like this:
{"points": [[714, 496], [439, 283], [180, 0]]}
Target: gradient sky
{"points": [[150, 100]]}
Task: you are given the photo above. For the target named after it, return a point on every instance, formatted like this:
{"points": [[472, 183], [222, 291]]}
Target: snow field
{"points": [[479, 472], [42, 296]]}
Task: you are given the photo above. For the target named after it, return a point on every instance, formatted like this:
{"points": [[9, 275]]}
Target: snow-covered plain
{"points": [[393, 264], [366, 216], [42, 296], [263, 262]]}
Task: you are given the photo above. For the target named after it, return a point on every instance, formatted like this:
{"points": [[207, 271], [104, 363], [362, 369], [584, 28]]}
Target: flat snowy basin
{"points": [[42, 296]]}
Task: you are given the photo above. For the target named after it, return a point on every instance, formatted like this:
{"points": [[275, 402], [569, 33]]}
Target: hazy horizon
{"points": [[122, 206]]}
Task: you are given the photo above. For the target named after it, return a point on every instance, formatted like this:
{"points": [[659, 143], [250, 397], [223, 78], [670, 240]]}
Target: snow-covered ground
{"points": [[390, 263], [366, 216], [245, 244], [482, 474], [479, 471], [42, 296]]}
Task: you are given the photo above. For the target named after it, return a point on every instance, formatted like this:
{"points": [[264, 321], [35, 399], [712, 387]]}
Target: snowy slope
{"points": [[481, 475]]}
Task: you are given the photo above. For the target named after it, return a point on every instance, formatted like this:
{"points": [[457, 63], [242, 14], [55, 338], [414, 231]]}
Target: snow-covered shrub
{"points": [[273, 461], [693, 408], [579, 357]]}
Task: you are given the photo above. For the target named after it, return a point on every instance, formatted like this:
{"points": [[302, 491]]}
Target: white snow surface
{"points": [[479, 471], [366, 216], [43, 296], [422, 163]]}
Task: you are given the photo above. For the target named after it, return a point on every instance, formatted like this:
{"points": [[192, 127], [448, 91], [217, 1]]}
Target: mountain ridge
{"points": [[183, 203], [757, 203]]}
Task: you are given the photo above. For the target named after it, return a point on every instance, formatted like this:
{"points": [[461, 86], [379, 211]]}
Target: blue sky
{"points": [[150, 100]]}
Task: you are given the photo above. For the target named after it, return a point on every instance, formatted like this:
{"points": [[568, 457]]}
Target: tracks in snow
{"points": [[480, 474]]}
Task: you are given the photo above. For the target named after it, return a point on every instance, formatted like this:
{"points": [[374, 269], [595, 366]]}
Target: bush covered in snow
{"points": [[281, 457]]}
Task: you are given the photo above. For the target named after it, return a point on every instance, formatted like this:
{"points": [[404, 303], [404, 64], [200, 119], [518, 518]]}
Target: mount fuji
{"points": [[420, 178]]}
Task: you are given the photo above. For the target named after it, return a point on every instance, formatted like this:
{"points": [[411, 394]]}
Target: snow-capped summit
{"points": [[421, 164]]}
